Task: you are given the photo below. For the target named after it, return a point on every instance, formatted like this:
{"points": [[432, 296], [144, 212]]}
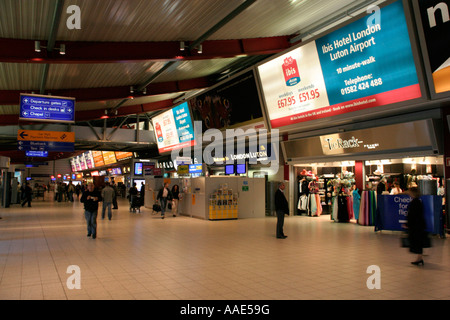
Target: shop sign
{"points": [[263, 153], [183, 169], [392, 138], [365, 64]]}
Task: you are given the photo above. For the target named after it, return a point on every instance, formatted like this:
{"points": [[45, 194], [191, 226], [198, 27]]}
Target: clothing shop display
{"points": [[368, 208], [356, 202], [342, 208], [315, 206], [303, 192]]}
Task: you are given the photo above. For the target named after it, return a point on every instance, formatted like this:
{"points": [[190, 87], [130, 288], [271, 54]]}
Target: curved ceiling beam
{"points": [[22, 51], [12, 97]]}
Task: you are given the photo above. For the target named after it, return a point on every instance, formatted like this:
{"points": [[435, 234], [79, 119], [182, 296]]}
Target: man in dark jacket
{"points": [[91, 197], [282, 208], [164, 195], [27, 195]]}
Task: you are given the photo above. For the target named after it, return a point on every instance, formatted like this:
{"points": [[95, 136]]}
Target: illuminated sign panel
{"points": [[365, 64], [434, 28], [174, 129], [47, 108]]}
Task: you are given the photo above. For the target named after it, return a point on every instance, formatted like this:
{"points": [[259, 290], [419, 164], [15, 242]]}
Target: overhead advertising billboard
{"points": [[89, 159], [98, 158], [120, 155], [365, 64], [174, 129], [434, 29], [47, 108], [109, 157], [222, 106]]}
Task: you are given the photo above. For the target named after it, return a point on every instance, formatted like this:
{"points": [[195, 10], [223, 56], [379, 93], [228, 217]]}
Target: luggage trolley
{"points": [[135, 204]]}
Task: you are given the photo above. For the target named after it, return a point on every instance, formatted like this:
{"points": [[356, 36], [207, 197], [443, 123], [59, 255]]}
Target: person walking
{"points": [[164, 195], [108, 198], [27, 195], [416, 226], [90, 198], [70, 191], [78, 191], [175, 199], [282, 208], [132, 193], [116, 191]]}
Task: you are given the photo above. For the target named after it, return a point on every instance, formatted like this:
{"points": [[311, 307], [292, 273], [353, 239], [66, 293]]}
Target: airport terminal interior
{"points": [[140, 256], [238, 150]]}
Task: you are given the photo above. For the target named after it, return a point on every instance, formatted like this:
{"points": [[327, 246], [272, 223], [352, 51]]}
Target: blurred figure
{"points": [[175, 199], [27, 195], [416, 226], [396, 189]]}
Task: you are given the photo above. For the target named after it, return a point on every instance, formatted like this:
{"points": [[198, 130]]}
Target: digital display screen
{"points": [[229, 169], [241, 169], [138, 168], [195, 168]]}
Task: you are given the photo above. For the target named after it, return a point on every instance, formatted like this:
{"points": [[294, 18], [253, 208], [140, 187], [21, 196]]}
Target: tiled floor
{"points": [[140, 256]]}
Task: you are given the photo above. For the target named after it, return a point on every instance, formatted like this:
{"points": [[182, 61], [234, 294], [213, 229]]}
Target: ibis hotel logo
{"points": [[290, 71]]}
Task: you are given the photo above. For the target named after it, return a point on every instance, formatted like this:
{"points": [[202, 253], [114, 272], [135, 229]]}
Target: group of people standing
{"points": [[91, 198], [170, 198]]}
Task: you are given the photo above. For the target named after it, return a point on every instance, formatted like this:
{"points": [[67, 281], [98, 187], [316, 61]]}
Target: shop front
{"points": [[356, 176]]}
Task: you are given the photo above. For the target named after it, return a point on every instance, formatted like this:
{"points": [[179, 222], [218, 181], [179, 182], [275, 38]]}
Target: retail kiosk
{"points": [[213, 198]]}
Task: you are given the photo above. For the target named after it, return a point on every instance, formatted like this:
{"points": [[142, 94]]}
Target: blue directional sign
{"points": [[45, 146], [47, 108], [37, 154]]}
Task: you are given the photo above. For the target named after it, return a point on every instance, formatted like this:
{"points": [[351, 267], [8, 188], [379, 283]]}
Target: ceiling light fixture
{"points": [[200, 49], [182, 46], [37, 47]]}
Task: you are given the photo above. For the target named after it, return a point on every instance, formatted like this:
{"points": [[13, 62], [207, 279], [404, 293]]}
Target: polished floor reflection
{"points": [[141, 256]]}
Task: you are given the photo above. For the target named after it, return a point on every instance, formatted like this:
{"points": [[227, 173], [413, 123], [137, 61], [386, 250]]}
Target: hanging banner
{"points": [[365, 64]]}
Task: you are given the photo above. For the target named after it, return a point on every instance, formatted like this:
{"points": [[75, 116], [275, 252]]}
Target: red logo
{"points": [[290, 71]]}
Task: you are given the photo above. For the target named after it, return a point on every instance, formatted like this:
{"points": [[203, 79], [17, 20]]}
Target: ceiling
{"points": [[126, 57]]}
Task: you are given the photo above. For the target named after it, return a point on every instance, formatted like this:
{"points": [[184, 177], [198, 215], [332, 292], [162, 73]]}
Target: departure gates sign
{"points": [[365, 64], [47, 108]]}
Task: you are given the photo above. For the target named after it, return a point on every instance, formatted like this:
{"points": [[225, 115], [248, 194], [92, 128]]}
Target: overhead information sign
{"points": [[35, 140], [45, 146], [39, 154], [47, 108], [37, 135], [365, 64]]}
